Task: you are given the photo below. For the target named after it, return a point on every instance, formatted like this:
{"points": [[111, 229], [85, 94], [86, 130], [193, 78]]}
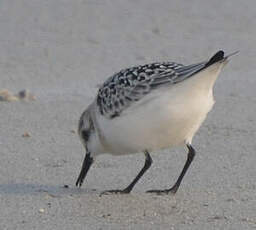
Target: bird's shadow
{"points": [[38, 189]]}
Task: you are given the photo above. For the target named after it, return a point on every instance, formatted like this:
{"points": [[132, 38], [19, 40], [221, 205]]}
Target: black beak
{"points": [[88, 160]]}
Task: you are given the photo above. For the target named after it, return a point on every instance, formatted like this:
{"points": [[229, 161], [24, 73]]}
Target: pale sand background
{"points": [[61, 50]]}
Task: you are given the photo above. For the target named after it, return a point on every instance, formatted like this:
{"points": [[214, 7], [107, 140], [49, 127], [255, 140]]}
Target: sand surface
{"points": [[61, 51]]}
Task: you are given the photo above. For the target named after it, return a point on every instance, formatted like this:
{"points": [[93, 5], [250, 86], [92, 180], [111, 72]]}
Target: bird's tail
{"points": [[219, 56]]}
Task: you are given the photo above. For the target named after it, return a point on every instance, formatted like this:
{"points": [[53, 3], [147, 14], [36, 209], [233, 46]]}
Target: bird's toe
{"points": [[161, 192], [115, 191]]}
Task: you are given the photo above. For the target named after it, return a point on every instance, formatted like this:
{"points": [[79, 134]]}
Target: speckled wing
{"points": [[131, 84]]}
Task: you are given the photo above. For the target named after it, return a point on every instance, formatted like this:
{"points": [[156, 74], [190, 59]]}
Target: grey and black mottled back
{"points": [[131, 84]]}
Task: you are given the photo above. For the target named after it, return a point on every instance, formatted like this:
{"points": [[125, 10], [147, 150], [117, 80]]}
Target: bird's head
{"points": [[86, 129], [88, 133]]}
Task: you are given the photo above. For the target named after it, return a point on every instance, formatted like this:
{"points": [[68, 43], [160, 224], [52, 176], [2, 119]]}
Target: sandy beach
{"points": [[61, 51]]}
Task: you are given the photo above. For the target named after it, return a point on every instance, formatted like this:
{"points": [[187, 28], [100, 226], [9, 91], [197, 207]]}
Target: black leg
{"points": [[88, 160], [129, 188], [174, 189]]}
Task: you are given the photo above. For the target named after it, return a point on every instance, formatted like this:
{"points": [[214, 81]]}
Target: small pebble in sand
{"points": [[6, 95], [26, 134], [41, 210], [25, 95], [66, 186]]}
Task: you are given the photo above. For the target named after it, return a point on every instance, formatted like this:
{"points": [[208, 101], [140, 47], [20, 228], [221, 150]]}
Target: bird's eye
{"points": [[85, 135]]}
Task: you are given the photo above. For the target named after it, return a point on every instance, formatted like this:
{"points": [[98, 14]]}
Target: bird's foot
{"points": [[172, 190], [115, 191]]}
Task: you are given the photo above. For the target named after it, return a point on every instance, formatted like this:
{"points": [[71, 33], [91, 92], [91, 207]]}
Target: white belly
{"points": [[167, 117]]}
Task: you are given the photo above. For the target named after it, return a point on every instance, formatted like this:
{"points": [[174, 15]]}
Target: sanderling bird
{"points": [[147, 108]]}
